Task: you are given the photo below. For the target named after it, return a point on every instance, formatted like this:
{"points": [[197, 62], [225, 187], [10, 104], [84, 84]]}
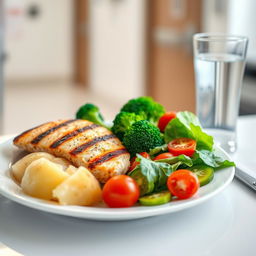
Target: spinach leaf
{"points": [[158, 149], [182, 159], [151, 176], [211, 159], [187, 125], [155, 173]]}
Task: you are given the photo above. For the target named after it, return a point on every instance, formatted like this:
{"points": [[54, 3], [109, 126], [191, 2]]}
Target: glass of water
{"points": [[219, 62]]}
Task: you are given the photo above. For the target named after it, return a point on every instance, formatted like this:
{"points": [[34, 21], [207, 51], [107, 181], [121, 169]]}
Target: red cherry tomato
{"points": [[120, 191], [165, 119], [134, 163], [181, 146], [183, 183], [163, 156]]}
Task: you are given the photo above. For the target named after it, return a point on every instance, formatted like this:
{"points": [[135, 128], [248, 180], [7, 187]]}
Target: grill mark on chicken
{"points": [[104, 158], [37, 139], [72, 134], [16, 139], [90, 143]]}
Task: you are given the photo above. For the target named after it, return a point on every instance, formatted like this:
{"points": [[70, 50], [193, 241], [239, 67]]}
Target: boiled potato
{"points": [[41, 177], [63, 162], [71, 169], [20, 166], [81, 188]]}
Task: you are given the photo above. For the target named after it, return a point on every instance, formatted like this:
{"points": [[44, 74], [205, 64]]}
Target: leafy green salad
{"points": [[171, 155]]}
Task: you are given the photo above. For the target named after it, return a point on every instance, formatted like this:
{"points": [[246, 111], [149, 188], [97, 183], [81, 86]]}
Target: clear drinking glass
{"points": [[219, 62]]}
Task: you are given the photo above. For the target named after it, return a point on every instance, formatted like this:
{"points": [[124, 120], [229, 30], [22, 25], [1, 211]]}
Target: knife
{"points": [[246, 176]]}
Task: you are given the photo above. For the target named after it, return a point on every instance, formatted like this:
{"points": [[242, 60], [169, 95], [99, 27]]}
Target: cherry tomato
{"points": [[181, 146], [165, 119], [134, 163], [120, 191], [163, 156], [183, 183]]}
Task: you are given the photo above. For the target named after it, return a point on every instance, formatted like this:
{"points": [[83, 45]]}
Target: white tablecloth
{"points": [[224, 225]]}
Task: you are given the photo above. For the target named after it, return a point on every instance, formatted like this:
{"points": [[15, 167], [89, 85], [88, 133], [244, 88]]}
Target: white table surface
{"points": [[224, 225]]}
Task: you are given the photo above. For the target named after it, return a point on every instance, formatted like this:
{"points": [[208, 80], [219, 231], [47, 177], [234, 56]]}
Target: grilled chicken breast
{"points": [[81, 142]]}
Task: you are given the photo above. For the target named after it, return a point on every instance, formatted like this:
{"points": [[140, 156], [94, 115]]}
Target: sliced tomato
{"points": [[181, 146], [163, 156], [183, 183], [134, 163], [120, 191], [165, 119]]}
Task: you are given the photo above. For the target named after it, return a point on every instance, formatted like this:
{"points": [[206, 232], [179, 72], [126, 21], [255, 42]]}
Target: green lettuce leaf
{"points": [[187, 125]]}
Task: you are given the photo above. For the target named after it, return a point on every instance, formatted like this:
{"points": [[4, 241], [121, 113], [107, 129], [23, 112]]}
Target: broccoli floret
{"points": [[91, 113], [152, 110], [123, 122], [141, 137]]}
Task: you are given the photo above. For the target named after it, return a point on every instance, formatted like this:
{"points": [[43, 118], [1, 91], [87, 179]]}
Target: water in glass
{"points": [[218, 85]]}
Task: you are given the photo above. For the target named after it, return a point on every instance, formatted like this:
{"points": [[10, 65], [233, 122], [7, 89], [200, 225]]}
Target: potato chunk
{"points": [[71, 169], [20, 166], [81, 188], [41, 177], [63, 162]]}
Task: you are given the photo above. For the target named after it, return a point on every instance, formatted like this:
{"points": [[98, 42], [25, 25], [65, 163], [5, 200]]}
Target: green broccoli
{"points": [[142, 137], [91, 113], [123, 122], [152, 110]]}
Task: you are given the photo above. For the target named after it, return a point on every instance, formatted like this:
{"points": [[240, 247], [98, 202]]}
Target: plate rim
{"points": [[106, 214]]}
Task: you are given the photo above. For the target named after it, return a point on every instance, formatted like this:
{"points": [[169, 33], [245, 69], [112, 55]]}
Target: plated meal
{"points": [[146, 157]]}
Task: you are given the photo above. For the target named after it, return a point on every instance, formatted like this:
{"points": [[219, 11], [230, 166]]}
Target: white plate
{"points": [[9, 189]]}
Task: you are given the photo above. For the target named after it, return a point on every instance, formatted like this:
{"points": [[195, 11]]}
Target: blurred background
{"points": [[59, 54]]}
